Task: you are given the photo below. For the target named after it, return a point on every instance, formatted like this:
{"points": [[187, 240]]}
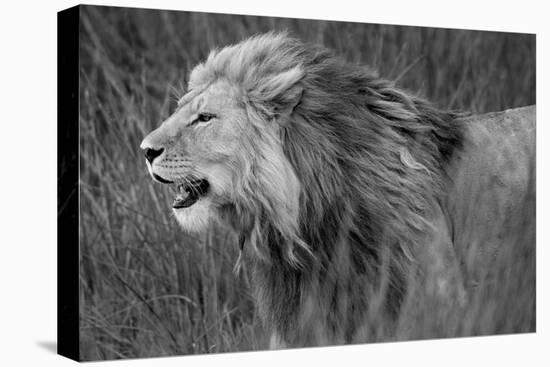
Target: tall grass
{"points": [[148, 289]]}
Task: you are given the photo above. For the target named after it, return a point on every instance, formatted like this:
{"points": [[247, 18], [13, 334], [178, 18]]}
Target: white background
{"points": [[28, 178]]}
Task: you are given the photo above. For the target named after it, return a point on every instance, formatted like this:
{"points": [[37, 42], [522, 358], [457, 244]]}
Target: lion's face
{"points": [[198, 150], [223, 148]]}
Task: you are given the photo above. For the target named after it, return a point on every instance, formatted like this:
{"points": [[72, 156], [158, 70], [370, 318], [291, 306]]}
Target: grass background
{"points": [[148, 289]]}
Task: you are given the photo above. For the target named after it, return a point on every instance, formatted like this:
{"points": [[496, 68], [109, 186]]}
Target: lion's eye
{"points": [[204, 117]]}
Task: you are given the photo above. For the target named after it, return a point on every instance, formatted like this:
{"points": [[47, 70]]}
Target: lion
{"points": [[340, 186]]}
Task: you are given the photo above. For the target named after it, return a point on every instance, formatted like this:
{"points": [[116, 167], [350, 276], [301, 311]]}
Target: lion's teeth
{"points": [[181, 192], [182, 196]]}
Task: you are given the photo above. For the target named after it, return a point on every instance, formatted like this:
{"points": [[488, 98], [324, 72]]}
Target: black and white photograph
{"points": [[250, 183], [219, 184]]}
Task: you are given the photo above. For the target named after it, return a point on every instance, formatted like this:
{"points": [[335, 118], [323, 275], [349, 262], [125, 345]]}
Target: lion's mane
{"points": [[365, 162]]}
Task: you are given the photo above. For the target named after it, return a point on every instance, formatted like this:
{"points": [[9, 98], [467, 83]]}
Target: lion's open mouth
{"points": [[189, 193]]}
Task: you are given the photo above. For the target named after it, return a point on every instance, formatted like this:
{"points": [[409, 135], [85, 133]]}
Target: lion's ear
{"points": [[282, 92]]}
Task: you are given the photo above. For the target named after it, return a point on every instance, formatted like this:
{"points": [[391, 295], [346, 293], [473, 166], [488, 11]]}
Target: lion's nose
{"points": [[151, 153]]}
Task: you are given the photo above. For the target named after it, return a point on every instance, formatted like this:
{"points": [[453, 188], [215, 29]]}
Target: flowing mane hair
{"points": [[338, 173]]}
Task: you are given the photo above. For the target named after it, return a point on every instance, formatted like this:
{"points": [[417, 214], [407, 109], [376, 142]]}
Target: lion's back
{"points": [[491, 199]]}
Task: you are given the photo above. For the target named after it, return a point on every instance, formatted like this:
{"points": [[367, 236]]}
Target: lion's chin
{"points": [[196, 217]]}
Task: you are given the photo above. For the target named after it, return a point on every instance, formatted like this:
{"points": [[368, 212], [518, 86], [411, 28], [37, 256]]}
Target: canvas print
{"points": [[252, 183]]}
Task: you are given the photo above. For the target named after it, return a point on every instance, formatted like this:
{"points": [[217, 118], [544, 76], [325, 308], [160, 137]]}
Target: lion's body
{"points": [[341, 187], [491, 194]]}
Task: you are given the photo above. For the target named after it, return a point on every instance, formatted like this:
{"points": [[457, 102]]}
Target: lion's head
{"points": [[222, 148]]}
